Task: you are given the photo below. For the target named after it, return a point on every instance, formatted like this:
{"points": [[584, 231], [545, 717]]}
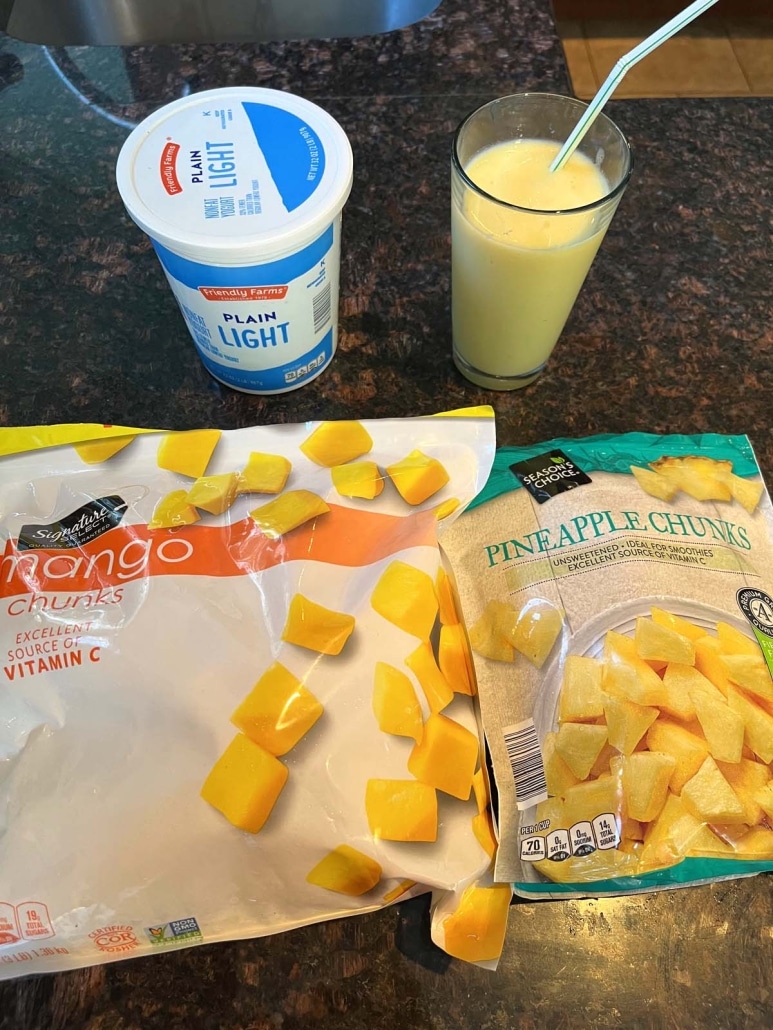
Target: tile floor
{"points": [[722, 57]]}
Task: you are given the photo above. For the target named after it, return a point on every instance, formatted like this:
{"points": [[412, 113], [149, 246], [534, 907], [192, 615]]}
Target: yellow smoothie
{"points": [[517, 273]]}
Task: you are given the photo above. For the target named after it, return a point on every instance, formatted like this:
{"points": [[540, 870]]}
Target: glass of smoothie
{"points": [[522, 237]]}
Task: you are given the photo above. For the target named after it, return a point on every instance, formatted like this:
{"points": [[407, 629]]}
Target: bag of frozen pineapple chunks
{"points": [[617, 592], [229, 706]]}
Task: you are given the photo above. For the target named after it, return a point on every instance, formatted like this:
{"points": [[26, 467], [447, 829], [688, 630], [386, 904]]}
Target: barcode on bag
{"points": [[322, 309], [523, 750]]}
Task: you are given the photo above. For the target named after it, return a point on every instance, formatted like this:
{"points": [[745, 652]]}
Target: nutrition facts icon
{"points": [[582, 838]]}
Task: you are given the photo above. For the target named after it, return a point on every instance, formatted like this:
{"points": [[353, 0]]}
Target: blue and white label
{"points": [[263, 328]]}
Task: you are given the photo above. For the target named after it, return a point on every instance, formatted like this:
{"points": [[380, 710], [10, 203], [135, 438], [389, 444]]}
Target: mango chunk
{"points": [[315, 627], [484, 833], [93, 452], [475, 932], [445, 597], [710, 798], [436, 687], [346, 870], [244, 784], [188, 453], [264, 474], [360, 479], [453, 658], [278, 711], [445, 757], [395, 704], [401, 810], [214, 494], [417, 477], [335, 443], [288, 511], [447, 508], [405, 596], [480, 790], [172, 511]]}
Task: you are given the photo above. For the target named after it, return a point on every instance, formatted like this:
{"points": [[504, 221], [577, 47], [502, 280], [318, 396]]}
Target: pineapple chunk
{"points": [[746, 778], [288, 511], [689, 750], [579, 744], [601, 767], [187, 453], [732, 641], [710, 798], [674, 834], [417, 477], [484, 833], [94, 452], [401, 810], [750, 672], [662, 643], [405, 596], [680, 681], [475, 932], [585, 801], [360, 479], [756, 844], [745, 491], [346, 871], [758, 734], [722, 727], [708, 660], [698, 476], [627, 723], [646, 776], [395, 704], [581, 697], [683, 627], [536, 630], [315, 627], [172, 511], [598, 865], [245, 783], [445, 596], [485, 635], [264, 474], [654, 484], [436, 687], [453, 659], [445, 757], [631, 679], [558, 776], [335, 443], [764, 798], [214, 494], [278, 711]]}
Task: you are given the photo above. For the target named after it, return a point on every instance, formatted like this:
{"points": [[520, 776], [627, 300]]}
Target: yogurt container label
{"points": [[241, 191]]}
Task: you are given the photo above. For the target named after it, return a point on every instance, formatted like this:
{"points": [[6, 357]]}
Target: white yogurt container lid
{"points": [[235, 175]]}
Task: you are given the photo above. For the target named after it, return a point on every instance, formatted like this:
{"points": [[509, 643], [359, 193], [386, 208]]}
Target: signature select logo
{"points": [[115, 938]]}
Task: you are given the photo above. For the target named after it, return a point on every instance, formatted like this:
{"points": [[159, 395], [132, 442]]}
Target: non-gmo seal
{"points": [[757, 606]]}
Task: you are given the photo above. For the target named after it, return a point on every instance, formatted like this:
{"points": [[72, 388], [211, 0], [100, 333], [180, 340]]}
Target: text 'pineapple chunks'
{"points": [[403, 810], [188, 453], [445, 757], [264, 474], [405, 596], [94, 452], [278, 711], [335, 443], [245, 783], [395, 704], [475, 932], [173, 511], [346, 870], [417, 477], [668, 751], [315, 627], [288, 511], [360, 479], [214, 494]]}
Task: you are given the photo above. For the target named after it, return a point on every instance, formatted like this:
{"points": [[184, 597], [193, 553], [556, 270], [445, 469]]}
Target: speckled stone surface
{"points": [[672, 332]]}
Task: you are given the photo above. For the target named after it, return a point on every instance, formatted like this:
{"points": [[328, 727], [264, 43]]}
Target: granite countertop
{"points": [[671, 333]]}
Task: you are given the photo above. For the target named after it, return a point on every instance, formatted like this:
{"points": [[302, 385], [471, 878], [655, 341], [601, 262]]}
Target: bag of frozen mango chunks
{"points": [[617, 593], [230, 705]]}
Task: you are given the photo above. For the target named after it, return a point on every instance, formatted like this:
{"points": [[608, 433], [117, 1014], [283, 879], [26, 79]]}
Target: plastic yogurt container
{"points": [[240, 191]]}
